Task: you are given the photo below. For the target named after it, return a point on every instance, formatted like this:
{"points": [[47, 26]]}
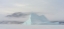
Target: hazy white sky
{"points": [[53, 9]]}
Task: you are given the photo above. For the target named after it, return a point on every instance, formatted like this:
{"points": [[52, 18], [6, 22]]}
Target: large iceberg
{"points": [[35, 19]]}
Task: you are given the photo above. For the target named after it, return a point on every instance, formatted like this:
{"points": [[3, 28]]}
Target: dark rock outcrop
{"points": [[17, 14]]}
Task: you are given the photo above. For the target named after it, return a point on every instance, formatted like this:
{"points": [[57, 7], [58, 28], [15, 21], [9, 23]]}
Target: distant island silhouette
{"points": [[17, 14]]}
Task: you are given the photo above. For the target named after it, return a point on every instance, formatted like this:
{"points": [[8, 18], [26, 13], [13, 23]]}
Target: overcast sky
{"points": [[52, 9]]}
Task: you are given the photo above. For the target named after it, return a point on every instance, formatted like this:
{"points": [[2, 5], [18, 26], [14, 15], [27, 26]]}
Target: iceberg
{"points": [[35, 19]]}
